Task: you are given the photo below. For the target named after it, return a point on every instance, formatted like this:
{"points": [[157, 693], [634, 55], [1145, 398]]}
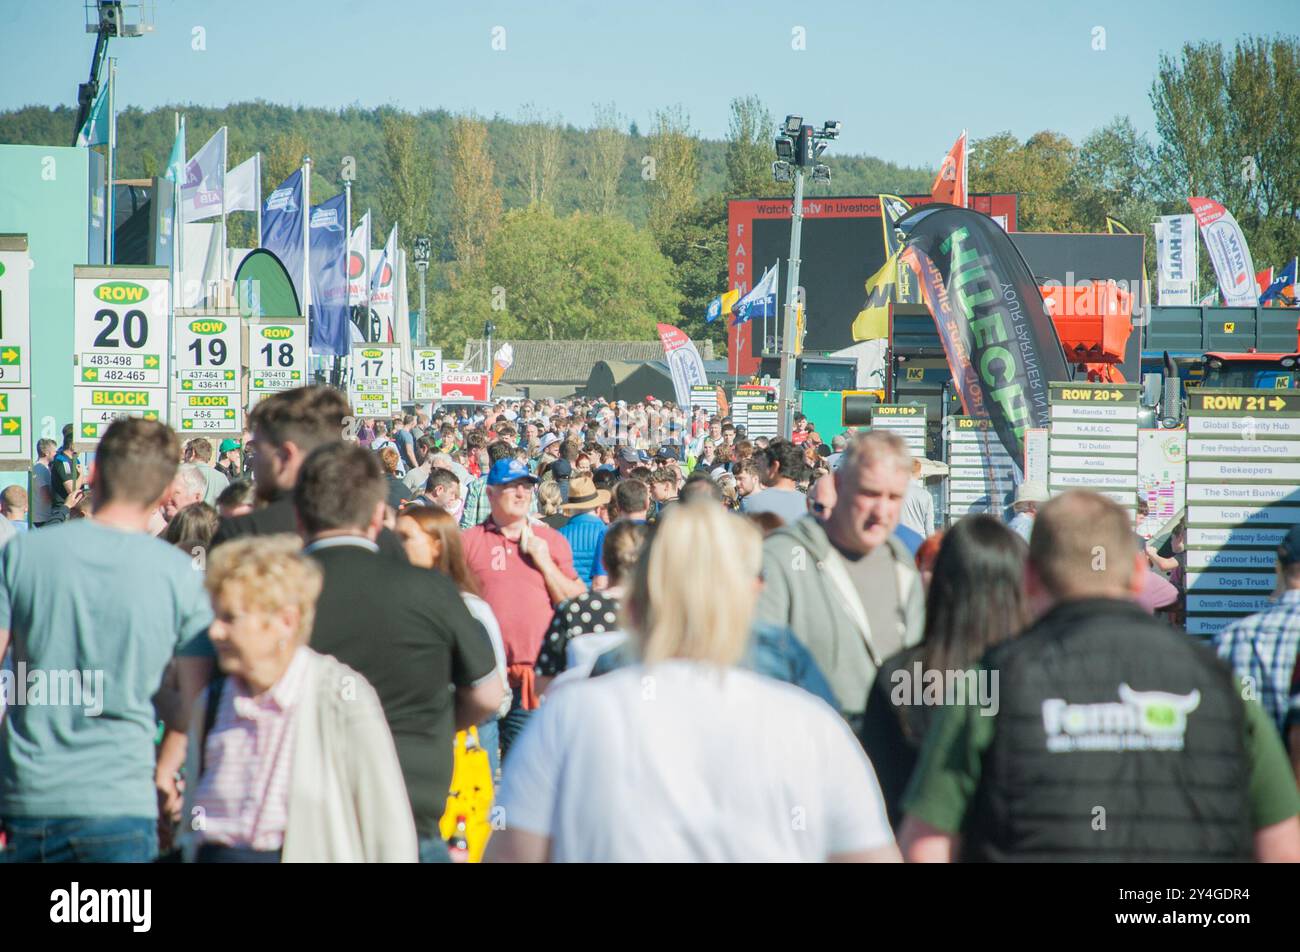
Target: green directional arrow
{"points": [[230, 375], [187, 384], [187, 424], [295, 375], [230, 414]]}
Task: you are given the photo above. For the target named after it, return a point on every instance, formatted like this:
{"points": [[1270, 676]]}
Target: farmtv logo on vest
{"points": [[1140, 720]]}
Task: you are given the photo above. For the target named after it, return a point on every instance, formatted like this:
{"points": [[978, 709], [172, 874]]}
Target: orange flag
{"points": [[950, 184]]}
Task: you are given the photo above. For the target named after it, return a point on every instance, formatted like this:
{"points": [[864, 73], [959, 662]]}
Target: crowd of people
{"points": [[674, 643]]}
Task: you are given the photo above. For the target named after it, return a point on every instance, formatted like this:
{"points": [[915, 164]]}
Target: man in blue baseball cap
{"points": [[524, 569]]}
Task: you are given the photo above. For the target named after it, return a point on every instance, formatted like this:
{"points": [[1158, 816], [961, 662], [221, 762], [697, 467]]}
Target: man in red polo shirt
{"points": [[524, 569]]}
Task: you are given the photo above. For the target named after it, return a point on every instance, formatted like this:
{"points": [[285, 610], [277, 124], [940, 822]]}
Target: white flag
{"points": [[244, 185], [381, 285], [402, 333], [1228, 252], [358, 261], [1176, 253], [204, 183]]}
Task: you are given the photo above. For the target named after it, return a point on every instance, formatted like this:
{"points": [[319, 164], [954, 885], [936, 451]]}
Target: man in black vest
{"points": [[411, 635], [1111, 736]]}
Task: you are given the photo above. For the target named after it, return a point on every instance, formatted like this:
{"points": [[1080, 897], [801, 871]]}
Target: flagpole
{"points": [[370, 225], [112, 146], [258, 239], [178, 226], [221, 288], [347, 231], [965, 167], [306, 245]]}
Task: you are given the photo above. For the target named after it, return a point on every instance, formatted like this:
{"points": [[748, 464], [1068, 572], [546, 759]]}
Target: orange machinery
{"points": [[1093, 322]]}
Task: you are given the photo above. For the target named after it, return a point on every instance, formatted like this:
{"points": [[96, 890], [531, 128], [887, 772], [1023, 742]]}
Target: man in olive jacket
{"points": [[847, 587]]}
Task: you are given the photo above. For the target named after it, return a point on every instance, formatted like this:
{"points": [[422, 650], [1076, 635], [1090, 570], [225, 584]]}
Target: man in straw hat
{"points": [[1029, 496], [588, 509]]}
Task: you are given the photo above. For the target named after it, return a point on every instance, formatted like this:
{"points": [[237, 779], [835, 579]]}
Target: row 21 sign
{"points": [[120, 327]]}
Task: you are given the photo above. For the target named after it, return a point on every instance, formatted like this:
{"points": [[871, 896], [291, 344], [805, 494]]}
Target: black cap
{"points": [[1288, 553]]}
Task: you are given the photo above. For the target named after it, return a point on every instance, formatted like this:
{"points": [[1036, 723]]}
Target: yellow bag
{"points": [[471, 794]]}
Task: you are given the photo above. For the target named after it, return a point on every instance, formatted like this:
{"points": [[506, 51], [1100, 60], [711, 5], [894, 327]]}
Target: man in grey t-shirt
{"points": [[95, 610], [782, 465]]}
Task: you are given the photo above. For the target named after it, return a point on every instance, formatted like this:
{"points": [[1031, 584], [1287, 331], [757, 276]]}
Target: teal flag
{"points": [[176, 161], [95, 131]]}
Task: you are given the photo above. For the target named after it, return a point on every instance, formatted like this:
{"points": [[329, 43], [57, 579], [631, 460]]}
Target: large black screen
{"points": [[838, 255]]}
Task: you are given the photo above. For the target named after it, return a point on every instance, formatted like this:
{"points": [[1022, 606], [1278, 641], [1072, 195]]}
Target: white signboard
{"points": [[1243, 494], [95, 408], [905, 419], [120, 327], [370, 388], [208, 353], [1093, 440], [276, 355], [15, 313], [16, 426], [1162, 477], [428, 375], [763, 419], [208, 413], [981, 474]]}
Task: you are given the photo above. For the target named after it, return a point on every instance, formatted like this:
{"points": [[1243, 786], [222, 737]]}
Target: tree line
{"points": [[600, 232]]}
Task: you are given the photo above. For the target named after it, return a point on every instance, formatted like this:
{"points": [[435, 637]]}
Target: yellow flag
{"points": [[1114, 227], [728, 302], [872, 322]]}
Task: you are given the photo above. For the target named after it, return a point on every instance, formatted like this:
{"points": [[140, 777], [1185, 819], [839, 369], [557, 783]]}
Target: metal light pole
{"points": [[488, 330], [420, 251], [791, 289], [797, 147]]}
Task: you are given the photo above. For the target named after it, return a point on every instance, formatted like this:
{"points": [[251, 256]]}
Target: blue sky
{"points": [[904, 78]]}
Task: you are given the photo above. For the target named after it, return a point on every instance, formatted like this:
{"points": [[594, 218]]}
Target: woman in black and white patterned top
{"points": [[591, 612]]}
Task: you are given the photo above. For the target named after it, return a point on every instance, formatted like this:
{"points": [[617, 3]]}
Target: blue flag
{"points": [[331, 326], [1282, 283], [715, 310], [282, 232], [759, 302]]}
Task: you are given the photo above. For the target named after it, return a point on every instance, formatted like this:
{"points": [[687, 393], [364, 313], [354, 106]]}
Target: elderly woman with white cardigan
{"points": [[290, 758]]}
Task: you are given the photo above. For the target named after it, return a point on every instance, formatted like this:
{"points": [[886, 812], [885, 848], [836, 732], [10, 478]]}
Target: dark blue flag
{"points": [[329, 320], [282, 232]]}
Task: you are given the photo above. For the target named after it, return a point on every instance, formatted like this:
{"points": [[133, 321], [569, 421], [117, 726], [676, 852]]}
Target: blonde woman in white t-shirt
{"points": [[685, 757]]}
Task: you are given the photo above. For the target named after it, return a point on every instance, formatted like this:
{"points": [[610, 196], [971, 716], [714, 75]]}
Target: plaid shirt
{"points": [[478, 507], [1263, 648]]}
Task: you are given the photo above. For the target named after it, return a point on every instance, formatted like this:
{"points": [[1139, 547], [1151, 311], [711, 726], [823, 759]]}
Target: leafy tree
{"points": [[698, 250], [604, 156], [407, 195], [476, 201], [749, 149], [545, 276], [675, 172], [1039, 170], [1224, 123], [541, 142]]}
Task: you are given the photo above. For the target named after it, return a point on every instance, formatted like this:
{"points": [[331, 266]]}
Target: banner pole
{"points": [[112, 147], [225, 156]]}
